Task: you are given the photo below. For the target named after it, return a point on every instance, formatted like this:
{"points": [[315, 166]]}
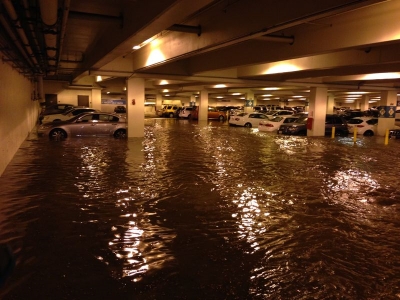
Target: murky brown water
{"points": [[203, 212]]}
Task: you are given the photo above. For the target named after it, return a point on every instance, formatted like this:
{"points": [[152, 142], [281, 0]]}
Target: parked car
{"points": [[274, 113], [349, 114], [366, 126], [86, 124], [169, 110], [274, 123], [247, 119], [299, 127], [54, 109], [67, 115], [120, 109], [213, 113], [394, 133], [186, 112]]}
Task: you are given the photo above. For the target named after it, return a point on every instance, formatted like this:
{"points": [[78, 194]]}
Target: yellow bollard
{"points": [[387, 137], [333, 132], [355, 134]]}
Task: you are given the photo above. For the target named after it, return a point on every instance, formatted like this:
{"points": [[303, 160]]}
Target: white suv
{"points": [[186, 112]]}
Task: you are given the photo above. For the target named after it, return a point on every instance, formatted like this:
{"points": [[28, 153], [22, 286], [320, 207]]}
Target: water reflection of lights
{"points": [[251, 216], [351, 182]]}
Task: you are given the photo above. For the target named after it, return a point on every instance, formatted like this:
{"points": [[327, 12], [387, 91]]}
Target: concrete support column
{"points": [[96, 99], [364, 103], [203, 106], [330, 105], [135, 106], [249, 96], [387, 112], [317, 111], [158, 102]]}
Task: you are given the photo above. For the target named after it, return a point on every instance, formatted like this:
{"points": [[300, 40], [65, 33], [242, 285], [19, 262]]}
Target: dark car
{"points": [[300, 126], [394, 133], [120, 109]]}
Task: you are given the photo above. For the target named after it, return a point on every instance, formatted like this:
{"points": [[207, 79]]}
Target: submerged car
{"points": [[299, 127], [247, 119], [67, 115], [54, 109], [274, 123], [120, 109], [86, 124], [186, 112], [366, 126], [213, 113]]}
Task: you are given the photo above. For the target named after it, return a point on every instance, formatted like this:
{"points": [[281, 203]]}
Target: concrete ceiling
{"points": [[279, 48]]}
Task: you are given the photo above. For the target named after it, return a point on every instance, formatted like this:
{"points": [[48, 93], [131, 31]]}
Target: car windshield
{"points": [[355, 121], [302, 120], [241, 114], [276, 119], [290, 120]]}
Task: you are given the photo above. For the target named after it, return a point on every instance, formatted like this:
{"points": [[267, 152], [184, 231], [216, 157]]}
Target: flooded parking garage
{"points": [[203, 211]]}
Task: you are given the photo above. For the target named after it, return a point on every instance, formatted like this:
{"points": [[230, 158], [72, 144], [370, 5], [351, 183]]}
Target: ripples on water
{"points": [[203, 211]]}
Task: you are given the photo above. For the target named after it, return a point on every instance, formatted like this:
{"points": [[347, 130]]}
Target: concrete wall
{"points": [[65, 95], [18, 113]]}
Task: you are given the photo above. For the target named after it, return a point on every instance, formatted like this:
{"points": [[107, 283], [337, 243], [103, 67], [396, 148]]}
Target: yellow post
{"points": [[355, 134], [387, 137], [333, 132]]}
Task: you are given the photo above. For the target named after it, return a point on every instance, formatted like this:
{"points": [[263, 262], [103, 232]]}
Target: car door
{"points": [[96, 124], [81, 126], [106, 124]]}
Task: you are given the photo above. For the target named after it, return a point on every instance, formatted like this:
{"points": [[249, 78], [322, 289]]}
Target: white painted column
{"points": [[364, 104], [387, 112], [203, 106], [96, 99], [135, 106], [158, 102], [330, 105], [317, 110]]}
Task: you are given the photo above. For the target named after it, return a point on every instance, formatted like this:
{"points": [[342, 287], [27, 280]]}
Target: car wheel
{"points": [[171, 115], [120, 134], [221, 118], [248, 125], [189, 117], [369, 133], [58, 134]]}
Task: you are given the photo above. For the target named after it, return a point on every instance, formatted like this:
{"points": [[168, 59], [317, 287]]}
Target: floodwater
{"points": [[203, 211]]}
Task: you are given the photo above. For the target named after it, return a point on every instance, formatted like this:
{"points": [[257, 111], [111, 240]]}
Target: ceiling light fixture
{"points": [[219, 86]]}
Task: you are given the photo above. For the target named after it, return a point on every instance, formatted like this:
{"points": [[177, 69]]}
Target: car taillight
{"points": [[269, 125], [360, 126]]}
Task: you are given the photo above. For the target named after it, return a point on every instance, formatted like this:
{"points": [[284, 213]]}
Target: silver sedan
{"points": [[86, 124]]}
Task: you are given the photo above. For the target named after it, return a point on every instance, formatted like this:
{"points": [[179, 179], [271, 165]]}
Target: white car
{"points": [[275, 113], [186, 112], [67, 115], [274, 123], [247, 119], [365, 125]]}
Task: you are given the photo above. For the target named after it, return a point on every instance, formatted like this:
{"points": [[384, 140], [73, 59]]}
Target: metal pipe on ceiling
{"points": [[48, 12], [14, 17], [15, 40]]}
